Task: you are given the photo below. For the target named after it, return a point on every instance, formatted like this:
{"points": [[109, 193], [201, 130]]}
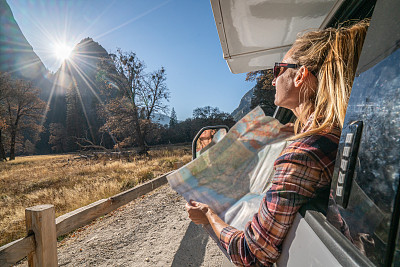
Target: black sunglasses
{"points": [[278, 66]]}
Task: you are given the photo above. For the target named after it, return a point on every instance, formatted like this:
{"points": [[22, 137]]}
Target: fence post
{"points": [[41, 221]]}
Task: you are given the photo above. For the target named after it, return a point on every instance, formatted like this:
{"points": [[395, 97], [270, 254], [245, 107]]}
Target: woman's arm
{"points": [[201, 213], [300, 172]]}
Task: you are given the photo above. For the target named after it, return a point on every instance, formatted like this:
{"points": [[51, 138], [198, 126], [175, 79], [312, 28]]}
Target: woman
{"points": [[314, 81]]}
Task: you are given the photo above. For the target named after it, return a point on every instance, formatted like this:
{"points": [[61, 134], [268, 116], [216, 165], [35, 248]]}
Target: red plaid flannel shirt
{"points": [[304, 168]]}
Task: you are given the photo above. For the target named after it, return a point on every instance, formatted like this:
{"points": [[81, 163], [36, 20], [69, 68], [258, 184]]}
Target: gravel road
{"points": [[153, 230]]}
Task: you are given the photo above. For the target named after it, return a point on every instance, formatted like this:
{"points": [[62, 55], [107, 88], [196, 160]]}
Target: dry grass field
{"points": [[69, 182]]}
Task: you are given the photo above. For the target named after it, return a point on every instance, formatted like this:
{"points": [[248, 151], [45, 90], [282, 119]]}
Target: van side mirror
{"points": [[207, 137]]}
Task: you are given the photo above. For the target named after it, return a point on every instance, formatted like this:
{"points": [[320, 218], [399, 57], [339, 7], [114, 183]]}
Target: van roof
{"points": [[256, 33]]}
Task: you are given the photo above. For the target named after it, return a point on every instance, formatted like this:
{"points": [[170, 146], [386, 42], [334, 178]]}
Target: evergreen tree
{"points": [[173, 120], [58, 137], [75, 118]]}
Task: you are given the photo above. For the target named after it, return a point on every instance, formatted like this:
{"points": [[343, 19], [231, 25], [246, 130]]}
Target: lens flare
{"points": [[62, 51]]}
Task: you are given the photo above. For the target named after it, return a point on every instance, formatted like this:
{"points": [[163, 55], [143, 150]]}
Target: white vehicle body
{"points": [[254, 34]]}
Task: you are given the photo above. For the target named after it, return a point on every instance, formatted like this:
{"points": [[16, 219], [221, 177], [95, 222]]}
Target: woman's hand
{"points": [[201, 213], [197, 212], [288, 128]]}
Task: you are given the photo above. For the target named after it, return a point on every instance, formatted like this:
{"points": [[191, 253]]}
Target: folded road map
{"points": [[233, 175]]}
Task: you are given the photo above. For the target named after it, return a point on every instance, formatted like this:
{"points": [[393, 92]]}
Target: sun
{"points": [[62, 51]]}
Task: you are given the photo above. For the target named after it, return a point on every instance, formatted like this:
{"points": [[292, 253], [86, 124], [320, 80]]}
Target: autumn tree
{"points": [[154, 93], [132, 97], [5, 90], [119, 120], [151, 99], [263, 91], [24, 111]]}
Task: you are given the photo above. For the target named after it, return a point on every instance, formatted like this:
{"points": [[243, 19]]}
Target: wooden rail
{"points": [[40, 245], [16, 250], [82, 216]]}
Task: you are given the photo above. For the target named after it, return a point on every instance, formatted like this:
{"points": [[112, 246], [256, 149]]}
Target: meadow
{"points": [[68, 182]]}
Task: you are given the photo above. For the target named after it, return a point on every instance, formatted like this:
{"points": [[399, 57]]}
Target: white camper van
{"points": [[256, 33]]}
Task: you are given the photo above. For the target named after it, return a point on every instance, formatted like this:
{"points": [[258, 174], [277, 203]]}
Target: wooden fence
{"points": [[40, 244]]}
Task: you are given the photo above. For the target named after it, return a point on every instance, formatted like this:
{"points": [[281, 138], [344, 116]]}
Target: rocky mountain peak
{"points": [[16, 54]]}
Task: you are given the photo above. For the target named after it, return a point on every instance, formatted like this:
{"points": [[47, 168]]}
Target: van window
{"points": [[397, 251], [375, 100]]}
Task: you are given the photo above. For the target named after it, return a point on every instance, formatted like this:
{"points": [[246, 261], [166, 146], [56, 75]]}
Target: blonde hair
{"points": [[332, 56]]}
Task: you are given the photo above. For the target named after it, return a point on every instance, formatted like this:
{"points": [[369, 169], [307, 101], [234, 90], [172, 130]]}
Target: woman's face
{"points": [[287, 94]]}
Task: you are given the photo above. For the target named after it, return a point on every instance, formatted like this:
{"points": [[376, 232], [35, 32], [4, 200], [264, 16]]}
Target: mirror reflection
{"points": [[208, 138]]}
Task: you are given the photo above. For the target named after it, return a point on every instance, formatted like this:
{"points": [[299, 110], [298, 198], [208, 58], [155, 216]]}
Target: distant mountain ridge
{"points": [[80, 70], [17, 56], [244, 106], [82, 65]]}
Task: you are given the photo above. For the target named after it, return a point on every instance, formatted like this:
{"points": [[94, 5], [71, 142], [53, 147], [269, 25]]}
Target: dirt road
{"points": [[151, 231]]}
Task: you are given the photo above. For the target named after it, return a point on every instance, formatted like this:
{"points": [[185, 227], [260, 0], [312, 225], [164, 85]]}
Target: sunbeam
{"points": [[24, 67], [59, 44], [105, 11], [53, 45], [56, 46], [132, 20], [46, 111], [82, 105], [89, 84]]}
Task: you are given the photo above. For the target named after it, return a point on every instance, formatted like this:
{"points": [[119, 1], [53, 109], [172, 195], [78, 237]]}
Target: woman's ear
{"points": [[301, 76]]}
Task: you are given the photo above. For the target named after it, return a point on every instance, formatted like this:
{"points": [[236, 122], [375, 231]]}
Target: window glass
{"points": [[368, 214], [375, 100], [396, 261]]}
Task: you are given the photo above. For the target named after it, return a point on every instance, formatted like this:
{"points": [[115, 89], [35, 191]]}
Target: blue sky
{"points": [[179, 35]]}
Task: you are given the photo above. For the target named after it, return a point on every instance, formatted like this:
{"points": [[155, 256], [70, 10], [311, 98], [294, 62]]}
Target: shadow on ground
{"points": [[192, 247]]}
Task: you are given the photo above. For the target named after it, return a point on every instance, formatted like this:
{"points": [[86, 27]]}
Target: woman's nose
{"points": [[273, 82]]}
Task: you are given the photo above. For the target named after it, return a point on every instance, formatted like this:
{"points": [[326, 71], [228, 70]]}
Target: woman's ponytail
{"points": [[332, 54]]}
